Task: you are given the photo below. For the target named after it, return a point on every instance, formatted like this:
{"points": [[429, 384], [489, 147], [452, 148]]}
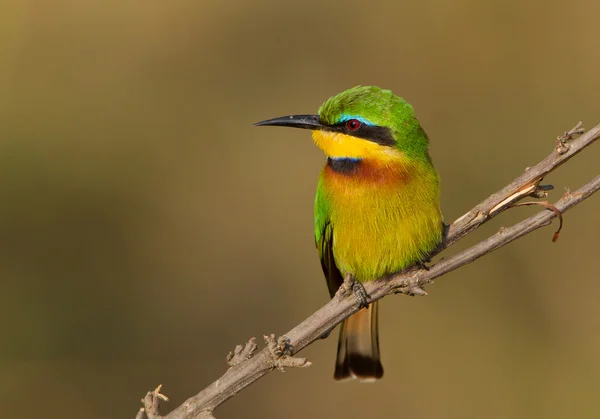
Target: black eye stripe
{"points": [[379, 135]]}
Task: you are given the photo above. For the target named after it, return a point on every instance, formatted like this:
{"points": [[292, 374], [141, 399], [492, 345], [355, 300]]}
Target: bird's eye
{"points": [[353, 124]]}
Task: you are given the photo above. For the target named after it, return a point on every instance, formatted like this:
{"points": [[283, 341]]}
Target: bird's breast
{"points": [[384, 218]]}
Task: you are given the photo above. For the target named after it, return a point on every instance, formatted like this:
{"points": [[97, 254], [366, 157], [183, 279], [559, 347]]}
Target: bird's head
{"points": [[363, 122]]}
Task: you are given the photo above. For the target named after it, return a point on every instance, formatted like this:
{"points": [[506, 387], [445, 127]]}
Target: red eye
{"points": [[353, 124]]}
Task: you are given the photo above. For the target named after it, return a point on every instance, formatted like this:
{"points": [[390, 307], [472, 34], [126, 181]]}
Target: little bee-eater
{"points": [[377, 207]]}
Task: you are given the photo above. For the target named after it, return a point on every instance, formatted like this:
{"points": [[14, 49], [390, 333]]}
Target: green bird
{"points": [[377, 207]]}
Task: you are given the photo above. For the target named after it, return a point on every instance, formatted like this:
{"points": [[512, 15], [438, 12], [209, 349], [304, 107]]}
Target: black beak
{"points": [[295, 121]]}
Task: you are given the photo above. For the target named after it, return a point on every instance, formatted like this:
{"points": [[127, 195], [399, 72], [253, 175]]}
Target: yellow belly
{"points": [[382, 224]]}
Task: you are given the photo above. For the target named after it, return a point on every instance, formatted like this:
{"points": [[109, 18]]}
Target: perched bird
{"points": [[377, 206]]}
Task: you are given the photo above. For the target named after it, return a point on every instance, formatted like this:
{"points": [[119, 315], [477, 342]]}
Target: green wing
{"points": [[324, 242]]}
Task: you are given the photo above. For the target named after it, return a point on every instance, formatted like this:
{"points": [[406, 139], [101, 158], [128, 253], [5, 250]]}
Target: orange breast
{"points": [[369, 173], [384, 217]]}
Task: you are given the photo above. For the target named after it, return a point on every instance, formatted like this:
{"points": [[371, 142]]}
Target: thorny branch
{"points": [[247, 366]]}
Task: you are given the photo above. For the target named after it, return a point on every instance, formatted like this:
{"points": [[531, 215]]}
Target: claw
{"points": [[351, 285], [423, 265], [361, 294]]}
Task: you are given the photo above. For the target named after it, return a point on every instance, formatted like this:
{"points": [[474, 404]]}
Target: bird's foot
{"points": [[423, 265], [351, 285]]}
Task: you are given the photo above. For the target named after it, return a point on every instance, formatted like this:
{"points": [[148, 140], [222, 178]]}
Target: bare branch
{"points": [[523, 186], [278, 353]]}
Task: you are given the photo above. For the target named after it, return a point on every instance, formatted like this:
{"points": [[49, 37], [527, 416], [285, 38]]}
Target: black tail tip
{"points": [[359, 367]]}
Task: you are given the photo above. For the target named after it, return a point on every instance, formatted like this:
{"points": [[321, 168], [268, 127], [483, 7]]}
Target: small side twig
{"points": [[561, 141], [151, 404], [242, 352], [551, 207], [280, 350]]}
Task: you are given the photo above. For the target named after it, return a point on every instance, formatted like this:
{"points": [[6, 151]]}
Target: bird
{"points": [[377, 206]]}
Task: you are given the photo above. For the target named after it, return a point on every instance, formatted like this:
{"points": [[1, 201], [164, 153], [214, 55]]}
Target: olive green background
{"points": [[146, 227]]}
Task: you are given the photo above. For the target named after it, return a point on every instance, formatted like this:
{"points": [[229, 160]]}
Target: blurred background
{"points": [[146, 227]]}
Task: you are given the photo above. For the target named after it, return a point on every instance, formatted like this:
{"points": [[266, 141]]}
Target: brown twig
{"points": [[151, 403], [551, 208], [411, 281]]}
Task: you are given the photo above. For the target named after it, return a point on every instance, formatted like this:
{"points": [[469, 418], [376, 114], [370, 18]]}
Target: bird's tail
{"points": [[358, 347]]}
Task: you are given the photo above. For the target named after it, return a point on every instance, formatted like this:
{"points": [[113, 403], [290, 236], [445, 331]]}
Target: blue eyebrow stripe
{"points": [[345, 117]]}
